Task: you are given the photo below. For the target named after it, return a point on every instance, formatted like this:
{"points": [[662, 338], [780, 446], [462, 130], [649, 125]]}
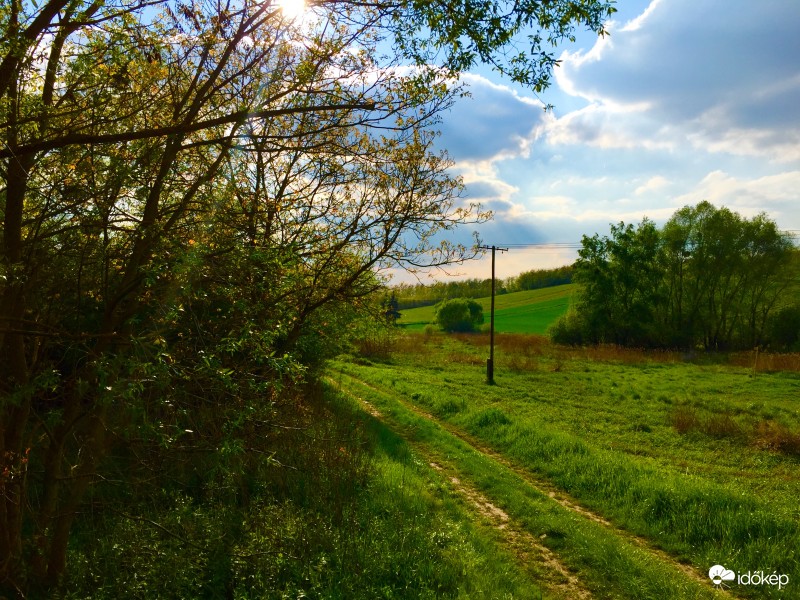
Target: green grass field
{"points": [[636, 472], [530, 311]]}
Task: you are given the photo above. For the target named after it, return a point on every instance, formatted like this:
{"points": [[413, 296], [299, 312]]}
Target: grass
{"points": [[531, 311], [699, 459], [610, 566], [345, 510]]}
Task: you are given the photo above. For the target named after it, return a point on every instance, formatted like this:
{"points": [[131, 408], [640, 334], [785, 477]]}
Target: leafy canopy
{"points": [[459, 315]]}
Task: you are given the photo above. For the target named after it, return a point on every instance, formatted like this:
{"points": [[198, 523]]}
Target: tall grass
{"points": [[610, 565]]}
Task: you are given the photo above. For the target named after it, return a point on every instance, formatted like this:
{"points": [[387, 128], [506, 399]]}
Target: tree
{"points": [[390, 308], [459, 315], [709, 278], [187, 197], [724, 274], [619, 281], [540, 278]]}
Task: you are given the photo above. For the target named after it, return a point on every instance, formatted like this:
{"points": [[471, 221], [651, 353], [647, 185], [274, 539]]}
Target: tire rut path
{"points": [[542, 486]]}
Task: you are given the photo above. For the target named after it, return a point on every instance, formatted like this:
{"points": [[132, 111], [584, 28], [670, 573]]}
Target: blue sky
{"points": [[684, 101]]}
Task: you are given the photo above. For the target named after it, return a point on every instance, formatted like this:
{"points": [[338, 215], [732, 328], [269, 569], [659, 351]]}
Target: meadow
{"points": [[530, 311], [621, 473]]}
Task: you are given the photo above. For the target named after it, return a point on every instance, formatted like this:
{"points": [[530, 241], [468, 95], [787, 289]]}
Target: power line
{"points": [[558, 245], [795, 233]]}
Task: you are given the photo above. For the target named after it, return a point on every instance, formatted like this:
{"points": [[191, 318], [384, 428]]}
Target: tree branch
{"points": [[183, 128]]}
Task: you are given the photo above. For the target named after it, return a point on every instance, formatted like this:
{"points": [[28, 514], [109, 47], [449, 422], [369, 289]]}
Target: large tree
{"points": [[187, 191], [724, 275], [709, 278], [619, 283]]}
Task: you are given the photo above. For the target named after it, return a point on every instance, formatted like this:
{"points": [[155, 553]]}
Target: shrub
{"points": [[568, 330], [783, 329], [459, 315]]}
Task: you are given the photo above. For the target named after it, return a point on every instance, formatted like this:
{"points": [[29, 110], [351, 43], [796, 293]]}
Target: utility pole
{"points": [[490, 360]]}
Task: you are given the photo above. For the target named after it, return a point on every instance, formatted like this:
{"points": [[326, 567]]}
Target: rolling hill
{"points": [[531, 311]]}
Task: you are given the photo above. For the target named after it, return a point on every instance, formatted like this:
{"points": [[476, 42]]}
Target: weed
{"points": [[521, 363], [686, 419], [450, 407], [376, 346], [767, 362], [722, 426], [464, 358], [493, 416], [774, 436]]}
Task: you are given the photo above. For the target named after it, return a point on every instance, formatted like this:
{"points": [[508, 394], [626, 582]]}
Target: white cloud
{"points": [[685, 101], [655, 183], [774, 194], [724, 72], [483, 182], [638, 22], [607, 126], [495, 123]]}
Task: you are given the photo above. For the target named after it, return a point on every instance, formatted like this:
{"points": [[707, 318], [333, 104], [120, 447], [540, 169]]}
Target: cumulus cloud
{"points": [[725, 71], [609, 126], [774, 194], [482, 181], [495, 122], [653, 184], [684, 101]]}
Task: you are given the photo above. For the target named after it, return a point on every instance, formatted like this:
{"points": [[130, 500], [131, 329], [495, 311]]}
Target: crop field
{"points": [[607, 473], [531, 311]]}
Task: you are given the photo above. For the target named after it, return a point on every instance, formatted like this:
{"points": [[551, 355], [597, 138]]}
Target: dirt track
{"points": [[552, 575]]}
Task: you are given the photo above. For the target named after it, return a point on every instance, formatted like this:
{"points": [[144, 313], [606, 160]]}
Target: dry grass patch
{"points": [[763, 434], [767, 361], [465, 358], [774, 436], [684, 419]]}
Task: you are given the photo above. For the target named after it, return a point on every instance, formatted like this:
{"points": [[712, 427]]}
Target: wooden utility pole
{"points": [[490, 360]]}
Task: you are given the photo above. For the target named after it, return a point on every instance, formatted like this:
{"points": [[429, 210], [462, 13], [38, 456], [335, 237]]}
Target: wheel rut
{"points": [[551, 574]]}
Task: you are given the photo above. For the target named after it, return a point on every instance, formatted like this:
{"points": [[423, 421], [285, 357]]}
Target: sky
{"points": [[684, 101]]}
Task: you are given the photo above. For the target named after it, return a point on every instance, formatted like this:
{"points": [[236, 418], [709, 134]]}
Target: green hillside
{"points": [[531, 311]]}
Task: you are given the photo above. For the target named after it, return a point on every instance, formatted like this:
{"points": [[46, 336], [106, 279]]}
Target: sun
{"points": [[292, 9]]}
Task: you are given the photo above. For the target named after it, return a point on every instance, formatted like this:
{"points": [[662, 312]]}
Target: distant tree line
{"points": [[412, 296], [708, 279], [540, 278]]}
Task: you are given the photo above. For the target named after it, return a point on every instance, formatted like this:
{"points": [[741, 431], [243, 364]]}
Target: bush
{"points": [[459, 315], [568, 330], [783, 329]]}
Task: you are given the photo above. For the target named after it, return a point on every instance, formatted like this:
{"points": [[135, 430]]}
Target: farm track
{"points": [[563, 583], [551, 573]]}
